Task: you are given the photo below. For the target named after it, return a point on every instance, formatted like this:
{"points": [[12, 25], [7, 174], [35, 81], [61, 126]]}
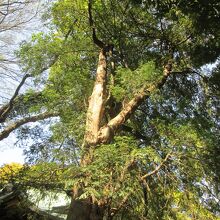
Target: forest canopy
{"points": [[125, 108]]}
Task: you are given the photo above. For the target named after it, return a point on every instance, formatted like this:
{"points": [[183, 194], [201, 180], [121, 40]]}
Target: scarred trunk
{"points": [[96, 102]]}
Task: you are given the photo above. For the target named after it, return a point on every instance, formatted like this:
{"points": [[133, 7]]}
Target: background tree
{"points": [[17, 19], [137, 134]]}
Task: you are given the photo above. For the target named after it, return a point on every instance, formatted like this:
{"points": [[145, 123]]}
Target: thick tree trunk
{"points": [[95, 133], [85, 210]]}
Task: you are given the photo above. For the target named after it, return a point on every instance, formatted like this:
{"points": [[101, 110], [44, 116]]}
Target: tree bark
{"points": [[96, 102], [85, 210], [13, 126]]}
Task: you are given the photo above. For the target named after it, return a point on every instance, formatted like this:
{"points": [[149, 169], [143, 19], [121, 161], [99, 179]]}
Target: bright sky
{"points": [[10, 153]]}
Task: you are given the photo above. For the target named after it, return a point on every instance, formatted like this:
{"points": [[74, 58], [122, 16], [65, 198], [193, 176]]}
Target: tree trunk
{"points": [[85, 210], [95, 133], [96, 102]]}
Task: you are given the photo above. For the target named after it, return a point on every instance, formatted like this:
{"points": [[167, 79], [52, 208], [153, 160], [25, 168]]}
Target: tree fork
{"points": [[107, 132]]}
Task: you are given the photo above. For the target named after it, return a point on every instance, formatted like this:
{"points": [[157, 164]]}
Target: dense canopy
{"points": [[132, 90]]}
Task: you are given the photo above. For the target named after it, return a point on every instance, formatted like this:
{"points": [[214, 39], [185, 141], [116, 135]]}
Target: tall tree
{"points": [[142, 122]]}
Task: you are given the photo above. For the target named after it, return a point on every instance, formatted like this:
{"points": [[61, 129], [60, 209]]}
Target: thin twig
{"points": [[156, 170]]}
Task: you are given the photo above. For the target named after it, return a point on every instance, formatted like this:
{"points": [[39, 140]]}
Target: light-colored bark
{"points": [[107, 132], [96, 102]]}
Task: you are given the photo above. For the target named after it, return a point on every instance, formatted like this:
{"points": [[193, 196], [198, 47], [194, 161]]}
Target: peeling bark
{"points": [[96, 102]]}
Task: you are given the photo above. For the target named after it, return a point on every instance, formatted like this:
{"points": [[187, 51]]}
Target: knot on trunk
{"points": [[105, 135], [168, 68]]}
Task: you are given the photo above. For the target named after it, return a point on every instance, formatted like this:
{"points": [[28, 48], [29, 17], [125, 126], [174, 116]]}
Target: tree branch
{"points": [[132, 105], [156, 170], [7, 130], [7, 108], [107, 132], [114, 211], [96, 41]]}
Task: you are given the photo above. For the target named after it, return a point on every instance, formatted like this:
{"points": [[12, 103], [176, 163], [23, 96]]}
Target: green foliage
{"points": [[181, 118], [37, 55], [128, 82]]}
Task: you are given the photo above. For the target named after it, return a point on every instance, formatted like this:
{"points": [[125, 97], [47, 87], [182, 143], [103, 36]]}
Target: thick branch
{"points": [[7, 130], [132, 105], [96, 102], [107, 132]]}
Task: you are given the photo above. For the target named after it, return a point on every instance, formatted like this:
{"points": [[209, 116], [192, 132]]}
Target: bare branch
{"points": [[13, 14]]}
